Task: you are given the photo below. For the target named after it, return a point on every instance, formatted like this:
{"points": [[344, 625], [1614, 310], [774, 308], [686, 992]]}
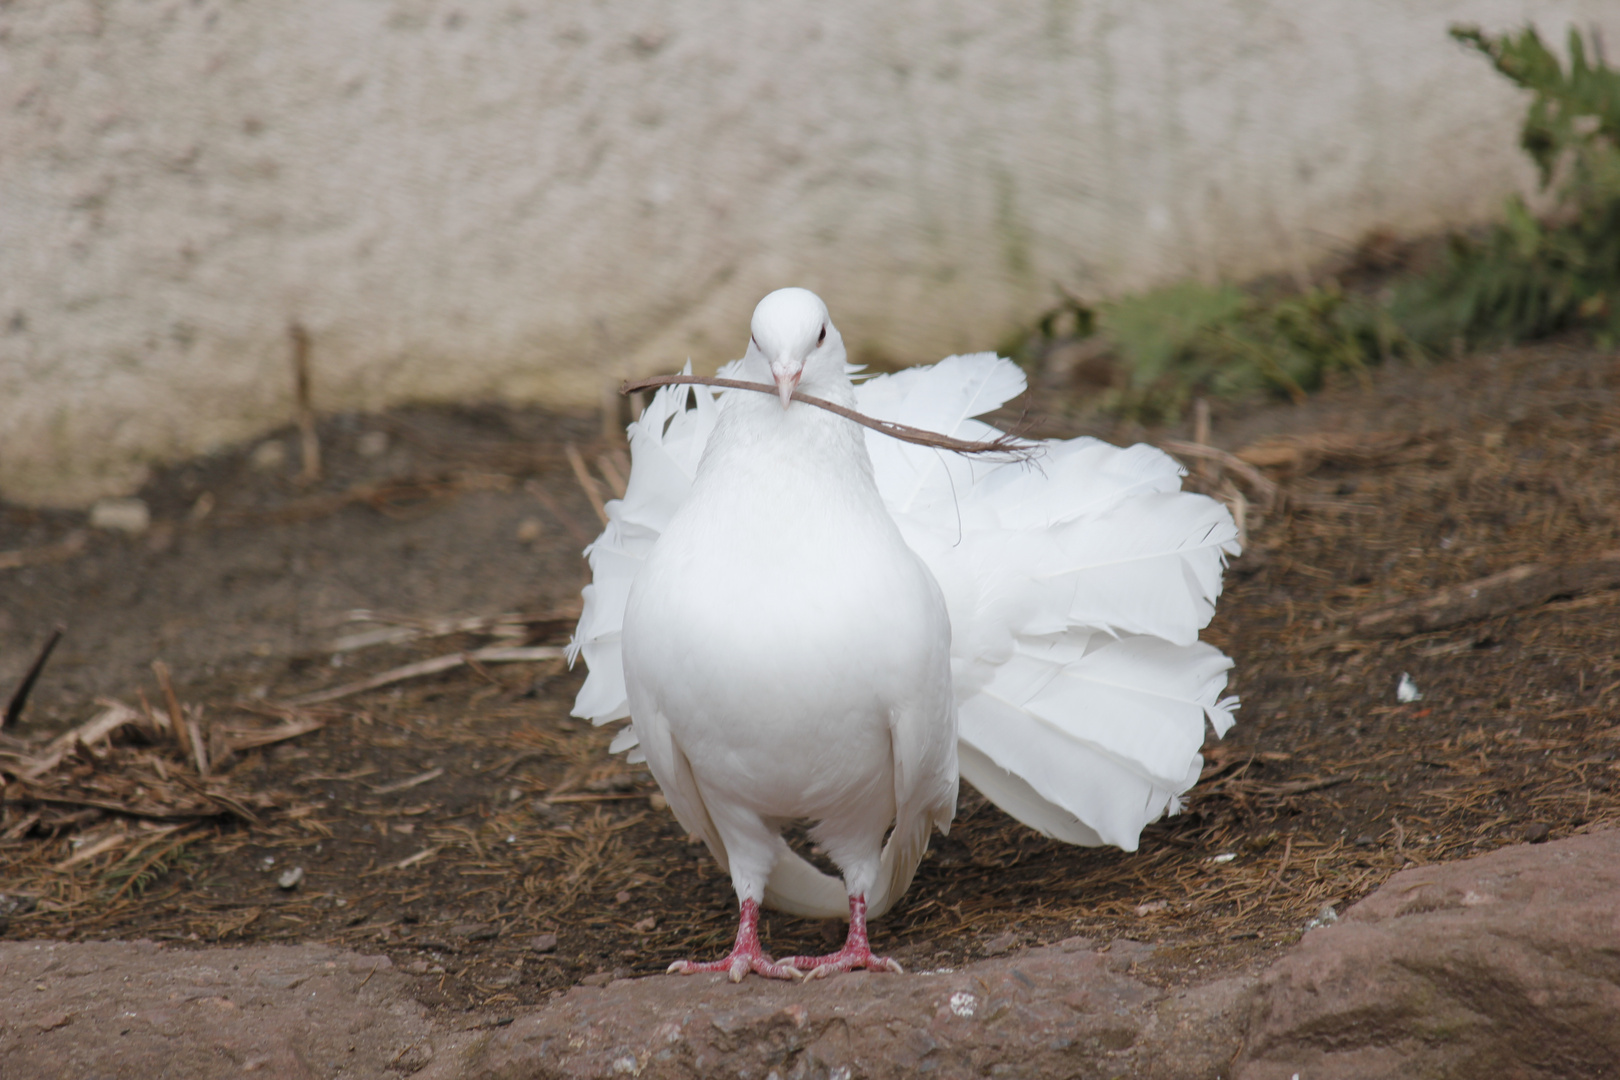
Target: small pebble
{"points": [[291, 879], [530, 530], [623, 897], [1537, 833], [1327, 916], [268, 455], [646, 926], [601, 978], [999, 944], [543, 942], [1406, 691], [121, 515], [16, 905]]}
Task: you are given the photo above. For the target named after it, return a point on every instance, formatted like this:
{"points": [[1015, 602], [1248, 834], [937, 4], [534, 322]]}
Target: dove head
{"points": [[792, 334]]}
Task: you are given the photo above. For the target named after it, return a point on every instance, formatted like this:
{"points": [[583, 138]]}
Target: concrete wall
{"points": [[506, 198]]}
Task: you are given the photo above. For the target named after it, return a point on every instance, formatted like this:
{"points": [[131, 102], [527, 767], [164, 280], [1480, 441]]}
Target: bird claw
{"points": [[845, 960], [737, 966]]}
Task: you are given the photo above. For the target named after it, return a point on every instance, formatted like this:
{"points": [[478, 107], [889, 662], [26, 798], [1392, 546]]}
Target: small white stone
{"points": [[1326, 917], [964, 1004], [121, 515], [268, 455], [1406, 691], [291, 879]]}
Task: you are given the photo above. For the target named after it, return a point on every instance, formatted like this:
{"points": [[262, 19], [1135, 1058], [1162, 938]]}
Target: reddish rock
{"points": [[133, 1009], [1505, 965], [1061, 1011]]}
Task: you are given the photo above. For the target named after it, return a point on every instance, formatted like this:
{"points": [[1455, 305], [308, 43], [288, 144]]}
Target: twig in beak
{"points": [[1007, 446]]}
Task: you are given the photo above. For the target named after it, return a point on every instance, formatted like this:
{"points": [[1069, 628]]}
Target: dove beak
{"points": [[786, 373]]}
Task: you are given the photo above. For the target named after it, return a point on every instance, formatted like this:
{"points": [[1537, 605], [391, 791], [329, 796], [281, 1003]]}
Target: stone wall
{"points": [[520, 199]]}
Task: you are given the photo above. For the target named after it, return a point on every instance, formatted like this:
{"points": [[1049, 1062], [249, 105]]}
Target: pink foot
{"points": [[746, 955], [856, 953]]}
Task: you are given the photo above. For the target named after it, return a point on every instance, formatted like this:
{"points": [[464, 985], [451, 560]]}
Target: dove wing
{"points": [[666, 444], [657, 746]]}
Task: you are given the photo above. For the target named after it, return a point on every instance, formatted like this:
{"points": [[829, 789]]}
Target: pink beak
{"points": [[786, 383]]}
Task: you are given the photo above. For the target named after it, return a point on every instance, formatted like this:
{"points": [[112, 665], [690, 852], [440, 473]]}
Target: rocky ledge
{"points": [[1506, 965]]}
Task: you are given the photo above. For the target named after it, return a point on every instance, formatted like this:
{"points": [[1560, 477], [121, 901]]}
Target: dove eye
{"points": [[823, 336]]}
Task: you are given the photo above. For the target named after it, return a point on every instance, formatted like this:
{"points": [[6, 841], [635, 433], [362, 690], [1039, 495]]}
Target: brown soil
{"points": [[520, 825]]}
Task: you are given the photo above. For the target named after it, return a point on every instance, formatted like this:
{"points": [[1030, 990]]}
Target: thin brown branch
{"points": [[303, 390], [587, 482], [1010, 447], [494, 654], [69, 546], [19, 697], [1512, 590], [197, 745], [1257, 481], [177, 723]]}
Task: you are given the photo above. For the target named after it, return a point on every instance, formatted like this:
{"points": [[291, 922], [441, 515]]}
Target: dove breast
{"points": [[781, 621]]}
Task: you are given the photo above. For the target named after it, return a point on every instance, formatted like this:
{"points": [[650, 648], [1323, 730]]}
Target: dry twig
{"points": [[1008, 446], [1511, 590], [494, 654], [69, 546], [19, 698], [1264, 488], [587, 482], [308, 439]]}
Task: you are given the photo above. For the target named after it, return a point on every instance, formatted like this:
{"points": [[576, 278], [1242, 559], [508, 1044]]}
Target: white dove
{"points": [[805, 620]]}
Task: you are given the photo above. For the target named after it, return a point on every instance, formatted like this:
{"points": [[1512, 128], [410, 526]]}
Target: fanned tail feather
{"points": [[1077, 586]]}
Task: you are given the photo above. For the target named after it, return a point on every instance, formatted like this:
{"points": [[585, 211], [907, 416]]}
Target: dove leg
{"points": [[745, 956], [750, 845], [857, 950]]}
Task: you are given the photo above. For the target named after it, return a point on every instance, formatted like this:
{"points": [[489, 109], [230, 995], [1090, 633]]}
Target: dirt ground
{"points": [[463, 824]]}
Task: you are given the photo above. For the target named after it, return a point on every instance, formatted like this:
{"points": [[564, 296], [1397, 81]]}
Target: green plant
{"points": [[1531, 276], [1190, 338], [1520, 279]]}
